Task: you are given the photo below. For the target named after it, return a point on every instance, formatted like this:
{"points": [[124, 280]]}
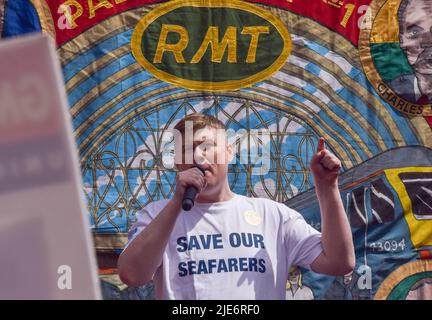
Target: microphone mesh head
{"points": [[187, 204]]}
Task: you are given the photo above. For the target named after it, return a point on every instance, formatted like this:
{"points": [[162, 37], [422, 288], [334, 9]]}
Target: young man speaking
{"points": [[229, 246]]}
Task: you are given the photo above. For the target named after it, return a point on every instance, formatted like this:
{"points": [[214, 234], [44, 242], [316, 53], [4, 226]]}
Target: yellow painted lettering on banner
{"points": [[349, 11], [71, 10], [175, 48], [94, 7], [255, 32], [211, 39], [250, 40], [218, 49], [66, 9], [334, 3]]}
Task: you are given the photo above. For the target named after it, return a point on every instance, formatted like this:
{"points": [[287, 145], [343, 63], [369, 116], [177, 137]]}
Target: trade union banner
{"points": [[356, 72]]}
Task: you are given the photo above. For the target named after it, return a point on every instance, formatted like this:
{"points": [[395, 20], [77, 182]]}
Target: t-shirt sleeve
{"points": [[302, 241], [144, 217], [143, 220]]}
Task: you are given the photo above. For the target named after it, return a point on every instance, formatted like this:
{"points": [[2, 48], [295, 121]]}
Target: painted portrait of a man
{"points": [[415, 36]]}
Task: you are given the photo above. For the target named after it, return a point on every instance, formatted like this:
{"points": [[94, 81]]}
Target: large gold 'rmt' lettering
{"points": [[211, 40]]}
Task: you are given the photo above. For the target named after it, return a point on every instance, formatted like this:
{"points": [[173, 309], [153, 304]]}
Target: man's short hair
{"points": [[401, 13], [199, 121]]}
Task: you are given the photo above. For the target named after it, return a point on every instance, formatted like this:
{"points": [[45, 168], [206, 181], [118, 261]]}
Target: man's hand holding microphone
{"points": [[189, 183]]}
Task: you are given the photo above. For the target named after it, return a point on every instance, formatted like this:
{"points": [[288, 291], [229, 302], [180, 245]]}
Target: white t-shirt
{"points": [[237, 249]]}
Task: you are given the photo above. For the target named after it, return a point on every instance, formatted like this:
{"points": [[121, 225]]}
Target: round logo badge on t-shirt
{"points": [[252, 217]]}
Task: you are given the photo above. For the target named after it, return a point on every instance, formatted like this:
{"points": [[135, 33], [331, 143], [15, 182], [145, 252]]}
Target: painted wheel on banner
{"points": [[411, 281]]}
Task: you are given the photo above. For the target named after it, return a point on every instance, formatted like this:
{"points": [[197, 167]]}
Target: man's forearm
{"points": [[142, 257], [336, 232]]}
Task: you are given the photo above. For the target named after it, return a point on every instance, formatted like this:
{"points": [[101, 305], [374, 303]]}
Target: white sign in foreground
{"points": [[46, 249]]}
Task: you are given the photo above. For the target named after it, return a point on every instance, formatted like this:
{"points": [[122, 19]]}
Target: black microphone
{"points": [[189, 195]]}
